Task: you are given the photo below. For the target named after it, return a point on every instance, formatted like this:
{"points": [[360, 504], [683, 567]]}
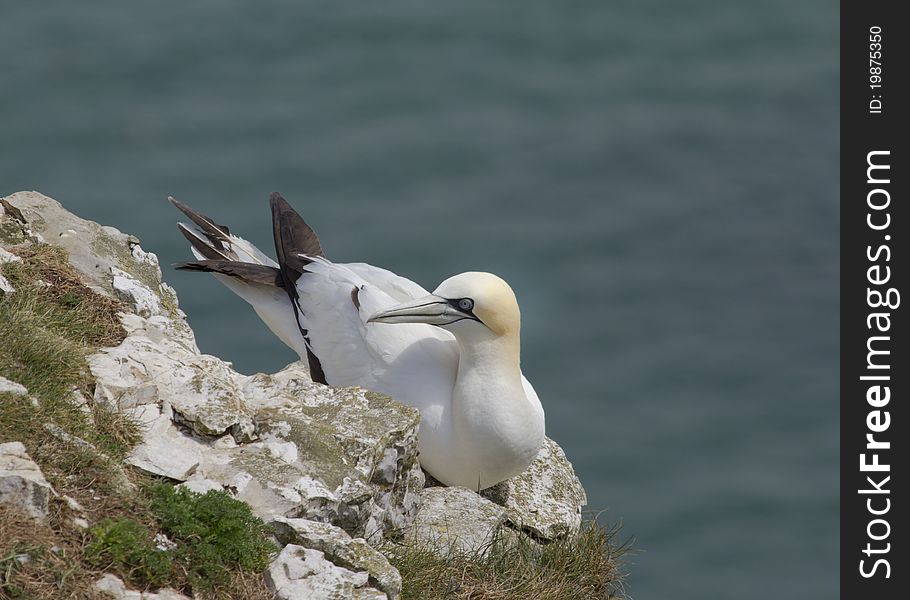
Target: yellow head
{"points": [[461, 304], [486, 298]]}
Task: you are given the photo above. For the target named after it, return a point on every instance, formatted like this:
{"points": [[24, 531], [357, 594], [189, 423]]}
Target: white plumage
{"points": [[453, 354]]}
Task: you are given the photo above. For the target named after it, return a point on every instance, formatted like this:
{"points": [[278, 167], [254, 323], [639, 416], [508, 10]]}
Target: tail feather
{"points": [[215, 242], [201, 248], [218, 235], [269, 287]]}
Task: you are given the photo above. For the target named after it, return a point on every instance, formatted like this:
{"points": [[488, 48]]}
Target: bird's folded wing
{"points": [[393, 359]]}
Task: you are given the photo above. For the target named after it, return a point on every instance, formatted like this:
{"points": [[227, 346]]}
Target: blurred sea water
{"points": [[657, 180]]}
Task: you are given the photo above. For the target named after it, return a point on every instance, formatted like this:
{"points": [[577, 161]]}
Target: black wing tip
{"points": [[209, 252], [180, 206], [190, 265], [248, 272], [278, 204], [217, 234]]}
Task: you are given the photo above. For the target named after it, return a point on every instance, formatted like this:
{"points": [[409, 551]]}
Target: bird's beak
{"points": [[431, 309]]}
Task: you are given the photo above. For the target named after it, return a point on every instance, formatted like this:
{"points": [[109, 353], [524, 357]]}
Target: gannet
{"points": [[452, 354]]}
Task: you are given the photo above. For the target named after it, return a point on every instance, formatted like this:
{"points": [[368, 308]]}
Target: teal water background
{"points": [[658, 181]]}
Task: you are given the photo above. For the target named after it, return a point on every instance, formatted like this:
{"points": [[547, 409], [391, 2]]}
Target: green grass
{"points": [[213, 535], [128, 547], [511, 566]]}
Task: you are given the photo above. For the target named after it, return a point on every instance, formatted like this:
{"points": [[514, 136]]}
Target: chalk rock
{"points": [[343, 550], [546, 499], [13, 227], [303, 574], [356, 464], [22, 484], [11, 387], [201, 486], [454, 520], [8, 257], [128, 289], [285, 445], [113, 587], [93, 249], [200, 389], [165, 449]]}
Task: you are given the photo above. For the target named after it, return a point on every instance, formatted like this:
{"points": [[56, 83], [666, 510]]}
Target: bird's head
{"points": [[468, 303]]}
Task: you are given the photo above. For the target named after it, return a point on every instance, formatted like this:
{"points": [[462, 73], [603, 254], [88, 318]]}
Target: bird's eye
{"points": [[465, 304]]}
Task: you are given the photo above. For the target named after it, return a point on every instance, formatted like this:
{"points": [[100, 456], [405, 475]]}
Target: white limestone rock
{"points": [[296, 448], [546, 499], [93, 249], [11, 387], [343, 550], [455, 520], [22, 484], [128, 289], [8, 257], [164, 449], [112, 586], [299, 573], [201, 486], [202, 390]]}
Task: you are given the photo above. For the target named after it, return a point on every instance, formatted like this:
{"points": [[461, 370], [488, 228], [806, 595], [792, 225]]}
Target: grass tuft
{"points": [[212, 536], [214, 533], [128, 547], [512, 566]]}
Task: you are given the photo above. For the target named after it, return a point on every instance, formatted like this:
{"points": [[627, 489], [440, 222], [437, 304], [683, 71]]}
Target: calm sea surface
{"points": [[658, 181]]}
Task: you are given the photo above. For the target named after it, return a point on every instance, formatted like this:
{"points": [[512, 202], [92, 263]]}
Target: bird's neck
{"points": [[493, 420], [490, 366]]}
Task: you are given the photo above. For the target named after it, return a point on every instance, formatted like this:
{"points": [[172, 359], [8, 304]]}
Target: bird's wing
{"points": [[400, 288], [532, 395], [414, 363]]}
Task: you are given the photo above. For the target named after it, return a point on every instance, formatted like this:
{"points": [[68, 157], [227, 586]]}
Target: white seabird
{"points": [[453, 354]]}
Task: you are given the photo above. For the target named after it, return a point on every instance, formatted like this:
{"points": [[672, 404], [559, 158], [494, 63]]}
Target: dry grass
{"points": [[50, 289], [584, 566], [41, 560]]}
